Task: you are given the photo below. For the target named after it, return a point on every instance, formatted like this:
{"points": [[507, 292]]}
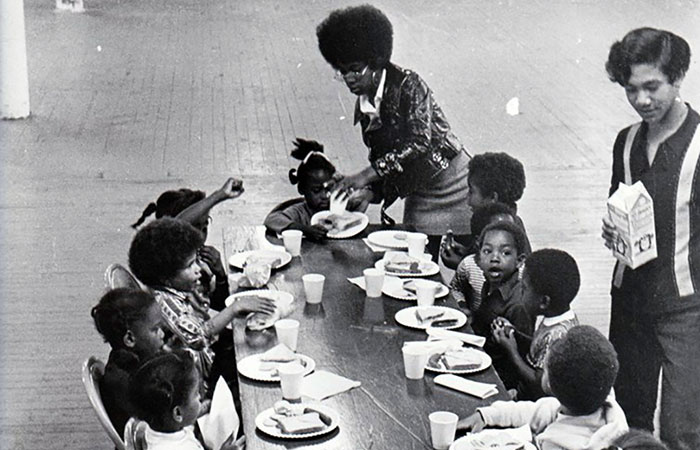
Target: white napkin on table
{"points": [[322, 384], [481, 390], [471, 339], [222, 419], [374, 247], [433, 347], [359, 282]]}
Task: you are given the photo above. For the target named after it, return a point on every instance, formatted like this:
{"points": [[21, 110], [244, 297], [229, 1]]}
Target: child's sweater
{"points": [[114, 387], [553, 430], [467, 283], [278, 221]]}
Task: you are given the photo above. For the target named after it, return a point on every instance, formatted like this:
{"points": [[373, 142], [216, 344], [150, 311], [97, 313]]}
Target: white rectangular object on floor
{"points": [[631, 209]]}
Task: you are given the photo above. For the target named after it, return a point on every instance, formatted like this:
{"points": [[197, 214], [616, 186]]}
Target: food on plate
{"points": [[400, 236], [426, 315], [402, 263], [261, 259], [260, 320], [337, 223], [456, 359], [297, 418], [496, 441], [279, 354]]}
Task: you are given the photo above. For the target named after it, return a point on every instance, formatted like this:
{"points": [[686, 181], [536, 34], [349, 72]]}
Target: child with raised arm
{"points": [[129, 320], [549, 284], [194, 206], [167, 396], [579, 372]]}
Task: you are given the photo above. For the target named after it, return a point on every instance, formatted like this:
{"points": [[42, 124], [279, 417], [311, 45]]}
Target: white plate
{"points": [[407, 317], [389, 238], [276, 432], [393, 287], [472, 441], [238, 260], [485, 363], [427, 268], [249, 367], [350, 232], [283, 301]]}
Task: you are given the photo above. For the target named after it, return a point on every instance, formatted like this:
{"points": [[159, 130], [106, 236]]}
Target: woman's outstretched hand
{"points": [[351, 183]]}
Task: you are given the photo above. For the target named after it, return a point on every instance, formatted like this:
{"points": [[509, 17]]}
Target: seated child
{"points": [[193, 207], [493, 177], [314, 178], [637, 440], [501, 253], [469, 278], [166, 394], [579, 372], [549, 283], [163, 255], [130, 321]]}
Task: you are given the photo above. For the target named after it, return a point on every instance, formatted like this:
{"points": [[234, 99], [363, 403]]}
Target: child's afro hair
{"points": [[636, 439], [356, 34], [554, 273], [582, 368], [498, 173], [484, 216], [312, 158], [117, 311], [514, 229], [161, 248]]}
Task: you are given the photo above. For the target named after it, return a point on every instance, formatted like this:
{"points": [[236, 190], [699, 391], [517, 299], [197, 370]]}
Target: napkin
{"points": [[433, 347], [322, 384], [222, 419], [481, 390], [374, 247], [359, 282], [471, 339]]}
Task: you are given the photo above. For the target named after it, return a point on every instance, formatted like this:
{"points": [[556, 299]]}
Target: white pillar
{"points": [[14, 81]]}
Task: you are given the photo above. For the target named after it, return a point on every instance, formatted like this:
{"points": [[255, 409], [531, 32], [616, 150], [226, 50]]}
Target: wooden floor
{"points": [[133, 98]]}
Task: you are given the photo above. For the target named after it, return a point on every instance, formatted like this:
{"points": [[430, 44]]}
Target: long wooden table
{"points": [[356, 337]]}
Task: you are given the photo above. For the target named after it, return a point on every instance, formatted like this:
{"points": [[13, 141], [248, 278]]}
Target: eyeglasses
{"points": [[342, 75]]}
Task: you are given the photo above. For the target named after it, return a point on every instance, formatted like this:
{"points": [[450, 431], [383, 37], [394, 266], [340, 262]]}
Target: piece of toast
{"points": [[306, 423]]}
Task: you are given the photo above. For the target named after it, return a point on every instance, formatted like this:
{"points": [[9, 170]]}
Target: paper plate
{"points": [[490, 439], [238, 260], [283, 301], [484, 363], [249, 367], [393, 287], [427, 269], [262, 420], [407, 316], [350, 232], [389, 238]]}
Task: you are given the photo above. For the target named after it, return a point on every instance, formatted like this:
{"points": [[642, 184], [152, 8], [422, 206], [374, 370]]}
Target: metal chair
{"points": [[135, 434], [93, 370], [118, 276]]}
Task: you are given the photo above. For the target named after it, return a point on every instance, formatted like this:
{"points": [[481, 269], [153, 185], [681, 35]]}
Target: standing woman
{"points": [[655, 317], [413, 153]]}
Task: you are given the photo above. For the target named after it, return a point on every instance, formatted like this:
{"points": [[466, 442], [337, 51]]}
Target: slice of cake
{"points": [[305, 423], [402, 263], [461, 360], [277, 355]]}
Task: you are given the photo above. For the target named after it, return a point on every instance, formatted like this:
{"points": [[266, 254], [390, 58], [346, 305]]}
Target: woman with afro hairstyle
{"points": [[413, 152]]}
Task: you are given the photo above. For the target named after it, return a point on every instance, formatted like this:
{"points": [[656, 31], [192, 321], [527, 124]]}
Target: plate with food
{"points": [[389, 238], [399, 264], [422, 317], [284, 302], [297, 420], [501, 439], [264, 366], [405, 289], [341, 226], [458, 361], [276, 258]]}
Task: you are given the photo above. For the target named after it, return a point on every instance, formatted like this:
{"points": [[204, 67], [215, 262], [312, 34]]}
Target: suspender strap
{"points": [[684, 192]]}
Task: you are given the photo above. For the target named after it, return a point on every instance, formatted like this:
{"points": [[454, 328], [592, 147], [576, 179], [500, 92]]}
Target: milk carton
{"points": [[631, 209]]}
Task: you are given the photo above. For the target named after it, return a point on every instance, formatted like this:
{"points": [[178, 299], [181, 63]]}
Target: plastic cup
{"points": [[313, 287], [287, 332], [374, 281], [443, 425], [414, 360], [292, 241], [425, 292], [416, 244], [291, 376]]}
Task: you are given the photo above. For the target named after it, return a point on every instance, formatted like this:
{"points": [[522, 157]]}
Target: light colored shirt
{"points": [[179, 440]]}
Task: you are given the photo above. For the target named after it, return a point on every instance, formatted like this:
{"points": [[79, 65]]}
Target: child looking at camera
{"points": [[549, 284], [194, 207], [579, 373], [129, 320], [166, 394]]}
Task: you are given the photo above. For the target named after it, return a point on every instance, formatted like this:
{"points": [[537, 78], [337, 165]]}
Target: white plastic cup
{"points": [[374, 281], [414, 360], [425, 292], [287, 332], [313, 287], [443, 425], [416, 244], [292, 241], [291, 376]]}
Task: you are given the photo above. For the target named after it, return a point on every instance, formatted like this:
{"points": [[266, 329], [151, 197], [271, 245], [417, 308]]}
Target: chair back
{"points": [[93, 370], [118, 276], [135, 434]]}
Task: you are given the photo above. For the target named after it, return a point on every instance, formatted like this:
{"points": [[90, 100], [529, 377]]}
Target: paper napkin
{"points": [[374, 247], [359, 282], [222, 420], [471, 339], [322, 384], [481, 390], [433, 347]]}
